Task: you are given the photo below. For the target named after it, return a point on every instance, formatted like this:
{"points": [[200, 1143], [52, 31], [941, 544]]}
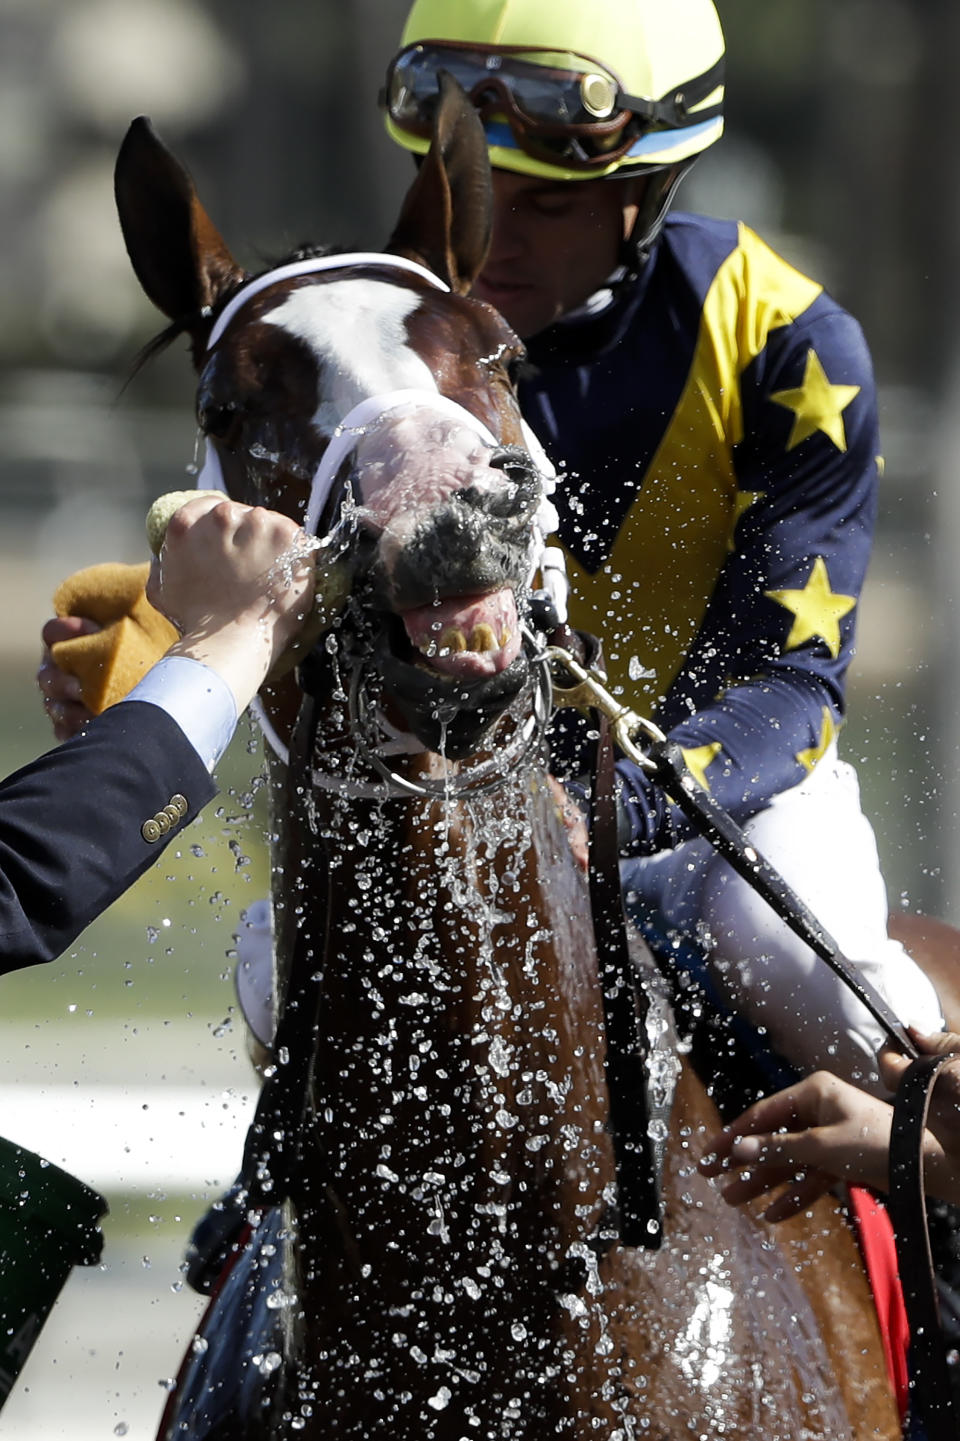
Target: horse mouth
{"points": [[468, 639], [452, 668]]}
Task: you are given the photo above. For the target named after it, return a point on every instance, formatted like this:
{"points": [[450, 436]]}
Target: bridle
{"points": [[376, 740]]}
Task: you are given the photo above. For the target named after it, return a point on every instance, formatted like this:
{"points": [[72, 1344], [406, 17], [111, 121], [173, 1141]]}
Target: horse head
{"points": [[371, 399]]}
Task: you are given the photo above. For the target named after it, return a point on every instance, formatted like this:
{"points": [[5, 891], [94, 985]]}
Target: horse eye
{"points": [[218, 420]]}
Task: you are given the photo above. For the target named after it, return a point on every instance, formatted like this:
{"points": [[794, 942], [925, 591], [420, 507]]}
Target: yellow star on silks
{"points": [[817, 405], [808, 758], [817, 609], [698, 758], [742, 502]]}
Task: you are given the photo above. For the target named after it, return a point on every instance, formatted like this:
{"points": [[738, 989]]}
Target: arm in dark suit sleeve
{"points": [[72, 825]]}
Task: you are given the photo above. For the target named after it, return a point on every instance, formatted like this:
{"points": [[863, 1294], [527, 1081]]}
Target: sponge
{"points": [[111, 661], [165, 508]]}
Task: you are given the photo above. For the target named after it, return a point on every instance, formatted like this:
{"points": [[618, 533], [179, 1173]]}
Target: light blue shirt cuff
{"points": [[198, 699]]}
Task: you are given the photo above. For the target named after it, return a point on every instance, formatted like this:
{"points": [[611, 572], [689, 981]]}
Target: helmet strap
{"points": [[658, 196]]}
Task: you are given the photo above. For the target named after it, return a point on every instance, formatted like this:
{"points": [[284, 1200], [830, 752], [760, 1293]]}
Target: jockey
{"points": [[713, 416]]}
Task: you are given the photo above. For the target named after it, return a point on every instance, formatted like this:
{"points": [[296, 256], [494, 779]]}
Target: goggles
{"points": [[579, 117]]}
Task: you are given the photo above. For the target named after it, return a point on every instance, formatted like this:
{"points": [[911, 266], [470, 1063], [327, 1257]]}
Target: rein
{"points": [[930, 1382], [664, 763]]}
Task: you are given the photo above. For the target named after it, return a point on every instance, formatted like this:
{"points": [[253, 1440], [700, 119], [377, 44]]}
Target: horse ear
{"points": [[447, 215], [174, 247]]}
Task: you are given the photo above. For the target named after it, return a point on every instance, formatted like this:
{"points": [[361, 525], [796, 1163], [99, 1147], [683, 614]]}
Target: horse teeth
{"points": [[482, 638], [452, 640]]}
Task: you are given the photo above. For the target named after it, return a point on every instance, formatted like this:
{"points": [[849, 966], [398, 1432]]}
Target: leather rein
{"points": [[663, 761]]}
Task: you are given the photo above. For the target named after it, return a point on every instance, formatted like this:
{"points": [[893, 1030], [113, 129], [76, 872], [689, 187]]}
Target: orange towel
{"points": [[109, 663]]}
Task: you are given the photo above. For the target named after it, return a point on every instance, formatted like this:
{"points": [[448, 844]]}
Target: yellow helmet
{"points": [[567, 89]]}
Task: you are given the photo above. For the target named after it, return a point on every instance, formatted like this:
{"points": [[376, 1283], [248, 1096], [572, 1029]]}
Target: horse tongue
{"points": [[467, 638]]}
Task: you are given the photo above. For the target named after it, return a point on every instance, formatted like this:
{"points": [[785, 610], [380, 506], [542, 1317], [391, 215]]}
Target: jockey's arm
{"points": [[759, 697]]}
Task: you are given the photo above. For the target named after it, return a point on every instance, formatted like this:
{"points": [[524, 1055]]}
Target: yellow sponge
{"points": [[109, 663]]}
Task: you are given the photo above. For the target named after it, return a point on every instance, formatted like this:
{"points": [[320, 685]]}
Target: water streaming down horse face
{"points": [[456, 1269]]}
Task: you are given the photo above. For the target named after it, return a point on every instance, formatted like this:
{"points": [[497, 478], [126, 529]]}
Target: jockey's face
{"points": [[554, 243]]}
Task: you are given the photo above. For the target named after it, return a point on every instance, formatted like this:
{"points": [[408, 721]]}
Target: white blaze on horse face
{"points": [[357, 330]]}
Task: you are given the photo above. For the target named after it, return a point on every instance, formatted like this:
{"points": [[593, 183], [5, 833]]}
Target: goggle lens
{"points": [[559, 115]]}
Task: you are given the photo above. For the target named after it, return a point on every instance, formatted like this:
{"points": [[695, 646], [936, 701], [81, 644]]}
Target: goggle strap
{"points": [[674, 110]]}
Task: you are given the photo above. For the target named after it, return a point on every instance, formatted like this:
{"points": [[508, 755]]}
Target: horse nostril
{"points": [[516, 498], [501, 503]]}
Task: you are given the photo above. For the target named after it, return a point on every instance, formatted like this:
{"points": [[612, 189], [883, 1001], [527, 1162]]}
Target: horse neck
{"points": [[460, 1019]]}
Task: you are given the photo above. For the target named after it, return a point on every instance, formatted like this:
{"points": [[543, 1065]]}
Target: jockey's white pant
{"points": [[819, 839]]}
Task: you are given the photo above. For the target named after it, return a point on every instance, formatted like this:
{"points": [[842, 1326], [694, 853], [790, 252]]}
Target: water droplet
{"points": [[280, 1300]]}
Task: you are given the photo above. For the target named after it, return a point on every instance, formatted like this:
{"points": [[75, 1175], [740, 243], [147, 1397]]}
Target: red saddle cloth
{"points": [[874, 1233]]}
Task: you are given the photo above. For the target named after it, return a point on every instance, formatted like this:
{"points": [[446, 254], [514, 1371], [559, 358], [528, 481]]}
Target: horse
{"points": [[437, 1252]]}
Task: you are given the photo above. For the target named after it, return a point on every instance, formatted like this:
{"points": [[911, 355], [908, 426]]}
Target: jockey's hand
{"points": [[60, 690], [804, 1139], [572, 817], [943, 1118], [237, 582]]}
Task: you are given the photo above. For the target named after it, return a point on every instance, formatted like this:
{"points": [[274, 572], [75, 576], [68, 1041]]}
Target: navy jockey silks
{"points": [[717, 431]]}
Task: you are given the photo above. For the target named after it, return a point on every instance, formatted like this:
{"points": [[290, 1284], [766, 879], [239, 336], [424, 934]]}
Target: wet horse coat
{"points": [[452, 1266]]}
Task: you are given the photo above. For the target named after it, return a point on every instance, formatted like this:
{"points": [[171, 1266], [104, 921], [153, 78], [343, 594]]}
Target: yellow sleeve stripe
{"points": [[674, 541]]}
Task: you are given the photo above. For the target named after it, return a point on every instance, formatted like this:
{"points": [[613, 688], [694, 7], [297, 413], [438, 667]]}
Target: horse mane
{"points": [[192, 320]]}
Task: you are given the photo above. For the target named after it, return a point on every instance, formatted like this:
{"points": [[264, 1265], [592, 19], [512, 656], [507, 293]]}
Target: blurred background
{"points": [[125, 1061]]}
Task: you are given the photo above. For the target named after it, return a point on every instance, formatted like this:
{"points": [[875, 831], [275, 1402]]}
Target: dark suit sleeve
{"points": [[81, 823]]}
